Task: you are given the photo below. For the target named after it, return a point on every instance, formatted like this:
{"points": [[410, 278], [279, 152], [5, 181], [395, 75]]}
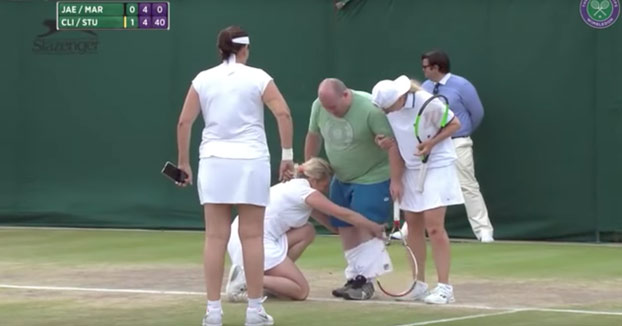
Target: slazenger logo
{"points": [[51, 42]]}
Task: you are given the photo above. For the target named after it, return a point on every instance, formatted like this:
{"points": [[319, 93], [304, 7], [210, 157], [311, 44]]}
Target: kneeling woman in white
{"points": [[424, 211], [287, 231]]}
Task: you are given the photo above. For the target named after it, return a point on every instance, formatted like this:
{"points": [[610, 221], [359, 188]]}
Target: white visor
{"points": [[241, 40]]}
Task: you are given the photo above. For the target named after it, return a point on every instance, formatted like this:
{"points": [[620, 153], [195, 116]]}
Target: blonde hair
{"points": [[415, 86], [315, 168]]}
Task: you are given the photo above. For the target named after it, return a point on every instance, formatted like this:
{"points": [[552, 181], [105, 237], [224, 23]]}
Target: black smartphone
{"points": [[175, 174]]}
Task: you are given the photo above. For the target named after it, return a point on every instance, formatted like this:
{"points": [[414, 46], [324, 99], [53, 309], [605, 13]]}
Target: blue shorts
{"points": [[370, 200]]}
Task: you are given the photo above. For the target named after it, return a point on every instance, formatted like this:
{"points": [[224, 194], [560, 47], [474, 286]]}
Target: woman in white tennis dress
{"points": [[424, 211], [287, 231], [234, 166]]}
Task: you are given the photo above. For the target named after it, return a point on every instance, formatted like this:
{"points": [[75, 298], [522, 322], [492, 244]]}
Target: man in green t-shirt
{"points": [[349, 123]]}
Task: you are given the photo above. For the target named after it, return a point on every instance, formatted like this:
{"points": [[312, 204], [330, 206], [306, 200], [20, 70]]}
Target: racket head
{"points": [[595, 5], [431, 117], [402, 280]]}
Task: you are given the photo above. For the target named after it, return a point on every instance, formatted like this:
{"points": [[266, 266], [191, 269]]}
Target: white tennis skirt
{"points": [[234, 181], [275, 250], [441, 188]]}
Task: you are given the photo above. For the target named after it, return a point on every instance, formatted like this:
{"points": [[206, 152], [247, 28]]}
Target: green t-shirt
{"points": [[349, 141]]}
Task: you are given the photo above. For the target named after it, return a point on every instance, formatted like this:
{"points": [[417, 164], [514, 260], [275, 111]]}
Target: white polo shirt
{"points": [[233, 111], [402, 122]]}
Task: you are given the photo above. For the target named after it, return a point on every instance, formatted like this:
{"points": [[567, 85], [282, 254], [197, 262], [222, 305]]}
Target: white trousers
{"points": [[369, 259], [473, 200]]}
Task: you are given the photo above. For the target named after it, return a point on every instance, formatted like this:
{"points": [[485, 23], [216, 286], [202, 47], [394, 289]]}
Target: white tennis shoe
{"points": [[396, 235], [485, 236], [258, 317], [442, 294], [236, 284], [212, 318], [418, 293]]}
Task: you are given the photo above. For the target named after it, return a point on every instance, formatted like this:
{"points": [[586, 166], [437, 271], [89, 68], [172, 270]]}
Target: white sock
{"points": [[447, 286], [420, 286], [254, 303], [213, 306]]}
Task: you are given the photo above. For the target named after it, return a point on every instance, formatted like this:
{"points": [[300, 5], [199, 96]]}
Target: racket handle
{"points": [[396, 213], [423, 171]]}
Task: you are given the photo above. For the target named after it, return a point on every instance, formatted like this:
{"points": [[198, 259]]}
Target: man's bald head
{"points": [[332, 85], [334, 96]]}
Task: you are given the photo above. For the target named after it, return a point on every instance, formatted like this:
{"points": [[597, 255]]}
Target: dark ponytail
{"points": [[225, 45]]}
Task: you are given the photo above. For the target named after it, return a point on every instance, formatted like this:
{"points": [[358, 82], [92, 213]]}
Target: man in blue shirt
{"points": [[465, 103]]}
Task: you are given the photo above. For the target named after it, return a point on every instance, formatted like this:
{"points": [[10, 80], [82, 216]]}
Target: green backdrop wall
{"points": [[88, 118]]}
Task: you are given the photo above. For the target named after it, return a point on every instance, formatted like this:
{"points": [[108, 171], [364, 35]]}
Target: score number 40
{"points": [[147, 22]]}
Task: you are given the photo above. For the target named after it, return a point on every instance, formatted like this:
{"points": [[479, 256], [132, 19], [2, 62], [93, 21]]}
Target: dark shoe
{"points": [[340, 291], [361, 289]]}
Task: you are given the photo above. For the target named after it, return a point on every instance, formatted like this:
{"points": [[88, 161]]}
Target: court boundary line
{"points": [[453, 240], [447, 320], [375, 302]]}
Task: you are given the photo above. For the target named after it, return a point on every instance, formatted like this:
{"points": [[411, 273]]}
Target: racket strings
{"points": [[412, 263]]}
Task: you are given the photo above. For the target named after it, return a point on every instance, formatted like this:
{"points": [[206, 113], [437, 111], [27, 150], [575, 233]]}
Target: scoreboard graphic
{"points": [[74, 15]]}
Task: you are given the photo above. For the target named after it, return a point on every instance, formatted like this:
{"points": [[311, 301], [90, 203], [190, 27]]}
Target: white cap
{"points": [[386, 92]]}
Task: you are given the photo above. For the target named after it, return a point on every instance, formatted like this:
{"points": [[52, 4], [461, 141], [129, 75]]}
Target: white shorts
{"points": [[441, 188], [275, 250], [234, 181]]}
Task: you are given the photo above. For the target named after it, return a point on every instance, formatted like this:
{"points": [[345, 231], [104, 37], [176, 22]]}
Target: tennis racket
{"points": [[399, 283], [429, 122]]}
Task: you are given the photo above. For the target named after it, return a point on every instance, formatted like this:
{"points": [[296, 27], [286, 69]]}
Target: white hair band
{"points": [[241, 40]]}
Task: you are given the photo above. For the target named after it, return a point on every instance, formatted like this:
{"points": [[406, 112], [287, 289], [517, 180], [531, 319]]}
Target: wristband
{"points": [[287, 154]]}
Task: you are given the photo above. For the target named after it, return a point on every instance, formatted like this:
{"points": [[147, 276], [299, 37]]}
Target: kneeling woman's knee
{"points": [[310, 232], [304, 292]]}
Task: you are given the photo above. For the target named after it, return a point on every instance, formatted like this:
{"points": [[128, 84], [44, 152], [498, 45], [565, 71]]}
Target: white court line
{"points": [[71, 288], [60, 228], [164, 292], [446, 320], [374, 302], [198, 230], [406, 303], [575, 311]]}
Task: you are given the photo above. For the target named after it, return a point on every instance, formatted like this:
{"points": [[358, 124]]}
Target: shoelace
{"points": [[243, 296], [441, 292]]}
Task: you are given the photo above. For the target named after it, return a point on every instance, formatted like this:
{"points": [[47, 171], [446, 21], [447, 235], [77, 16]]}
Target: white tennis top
{"points": [[287, 208], [402, 122], [232, 108]]}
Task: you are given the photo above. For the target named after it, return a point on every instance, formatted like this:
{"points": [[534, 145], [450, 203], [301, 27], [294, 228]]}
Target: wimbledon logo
{"points": [[599, 13]]}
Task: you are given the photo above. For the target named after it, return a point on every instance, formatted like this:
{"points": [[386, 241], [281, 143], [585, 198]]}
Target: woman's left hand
{"points": [[424, 148]]}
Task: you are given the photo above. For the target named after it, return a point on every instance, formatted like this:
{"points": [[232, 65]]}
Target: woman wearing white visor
{"points": [[423, 210], [234, 165]]}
